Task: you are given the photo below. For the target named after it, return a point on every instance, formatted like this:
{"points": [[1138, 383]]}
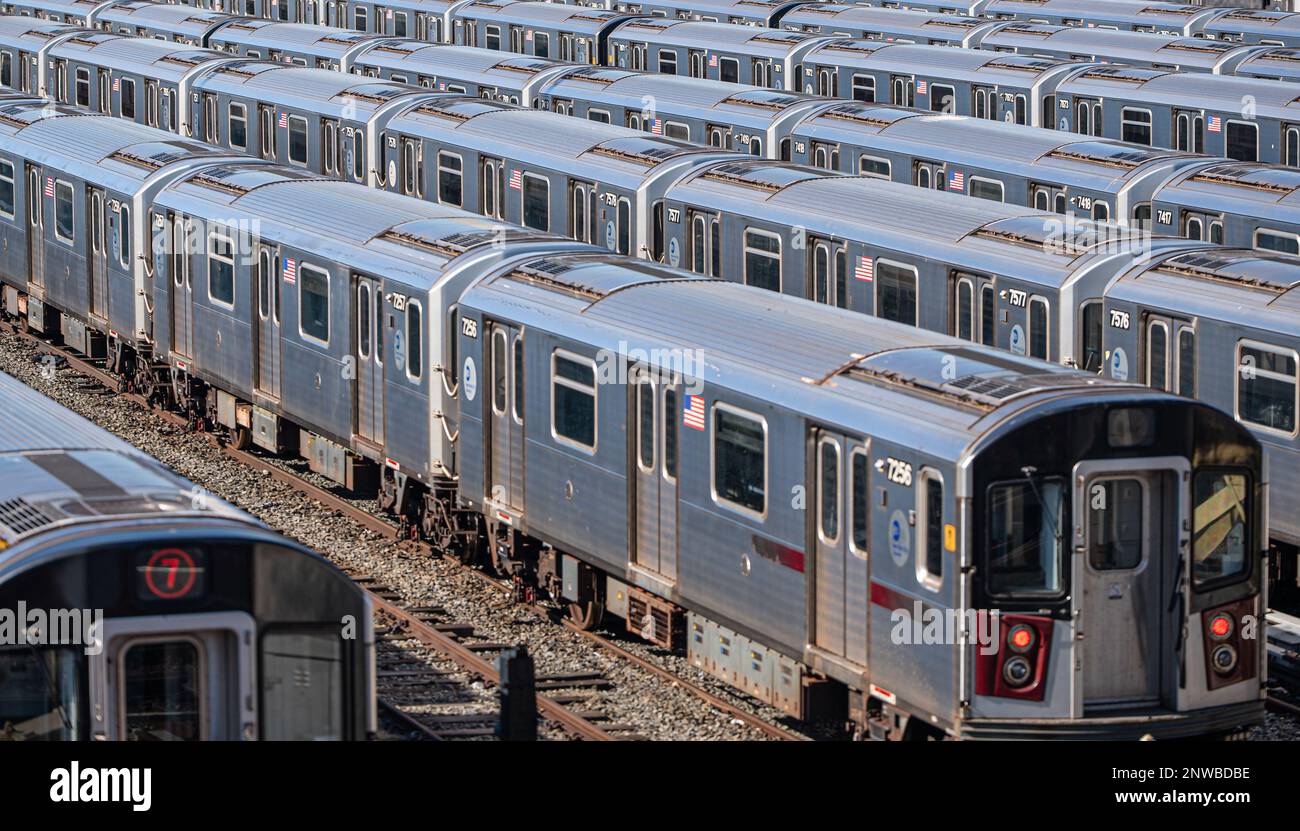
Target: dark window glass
{"points": [[829, 497], [729, 70], [1115, 524], [988, 315], [297, 140], [965, 310], [162, 692], [1135, 126], [645, 392], [7, 194], [500, 371], [221, 271], [64, 222], [450, 179], [414, 340], [762, 261], [537, 206], [1220, 543], [1274, 241], [896, 293], [1266, 388], [127, 100], [541, 45], [1187, 362], [40, 699], [1025, 537], [573, 390], [860, 500], [1038, 329], [739, 460], [670, 432], [1242, 141], [238, 126], [517, 406], [1093, 333], [1158, 357], [983, 189], [624, 226], [933, 527], [314, 303]]}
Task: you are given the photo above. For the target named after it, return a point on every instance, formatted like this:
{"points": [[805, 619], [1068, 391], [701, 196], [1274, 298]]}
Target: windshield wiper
{"points": [[1030, 471]]}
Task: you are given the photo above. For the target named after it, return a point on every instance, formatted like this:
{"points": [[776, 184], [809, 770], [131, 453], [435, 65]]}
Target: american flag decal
{"points": [[1216, 124], [713, 60], [528, 34], [442, 85], [284, 119], [957, 180], [921, 87], [290, 270], [117, 84], [866, 269], [658, 127], [516, 180], [49, 187], [693, 412]]}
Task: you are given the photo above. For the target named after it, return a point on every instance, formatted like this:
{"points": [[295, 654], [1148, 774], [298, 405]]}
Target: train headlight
{"points": [[1221, 626], [1017, 671], [1223, 659], [1021, 638]]}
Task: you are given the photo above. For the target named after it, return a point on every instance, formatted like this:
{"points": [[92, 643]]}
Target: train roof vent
{"points": [[1128, 75], [979, 379], [1181, 11], [954, 22], [19, 516], [781, 37], [651, 24], [1215, 265], [1279, 54], [865, 114], [759, 4], [343, 40], [374, 93], [189, 59], [597, 16], [527, 65], [859, 47], [762, 175], [768, 99], [548, 273], [1273, 180], [646, 150], [1253, 15], [1065, 236], [461, 109], [1110, 154], [1021, 63], [826, 9], [453, 245], [398, 48], [1200, 45], [1032, 29], [247, 25], [599, 75]]}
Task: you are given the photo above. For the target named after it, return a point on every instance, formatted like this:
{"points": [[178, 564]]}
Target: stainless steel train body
{"points": [[264, 282], [168, 614]]}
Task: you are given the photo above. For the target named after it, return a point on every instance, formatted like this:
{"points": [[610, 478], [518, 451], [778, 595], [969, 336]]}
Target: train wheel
{"points": [[586, 615], [243, 438]]}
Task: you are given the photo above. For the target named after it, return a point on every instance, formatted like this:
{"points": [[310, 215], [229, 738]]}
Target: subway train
{"points": [[621, 435], [1015, 278], [148, 610]]}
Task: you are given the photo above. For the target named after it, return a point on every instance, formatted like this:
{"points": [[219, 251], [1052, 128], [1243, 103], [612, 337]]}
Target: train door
{"points": [[175, 677], [695, 63], [370, 372], [182, 287], [104, 92], [1127, 533], [702, 244], [492, 190], [719, 136], [97, 252], [1048, 198], [828, 272], [927, 174], [505, 415], [1169, 354], [582, 211], [151, 104], [1198, 225], [974, 308], [902, 91], [840, 485], [36, 229], [1088, 118], [656, 402], [268, 322]]}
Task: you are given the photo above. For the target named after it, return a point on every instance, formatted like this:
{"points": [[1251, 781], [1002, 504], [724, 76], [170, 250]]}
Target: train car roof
{"points": [[976, 65], [1126, 11], [322, 91], [899, 21], [74, 7], [714, 36], [832, 365], [1278, 62], [1249, 188], [1262, 21], [15, 28], [1129, 47], [178, 19], [1194, 90], [151, 58], [571, 18], [500, 69], [322, 41], [57, 467], [1247, 287]]}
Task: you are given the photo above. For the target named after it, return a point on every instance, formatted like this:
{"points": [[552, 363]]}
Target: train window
{"points": [[828, 494], [729, 70], [541, 45], [7, 191], [83, 87], [1025, 541], [314, 303], [739, 459], [41, 699], [1193, 228], [657, 232], [1048, 114], [221, 270], [600, 116], [1022, 110], [517, 404], [1058, 203], [988, 315], [942, 98], [645, 430], [1092, 332], [1277, 241], [414, 340], [864, 88], [1216, 231], [492, 38], [573, 399], [841, 279], [400, 24], [500, 371], [762, 259], [1142, 216], [6, 70], [896, 292], [1038, 330], [929, 565], [1158, 355], [1100, 211], [859, 501], [964, 309], [358, 156], [1116, 524], [1290, 149], [265, 275], [1220, 544], [536, 202], [756, 147], [623, 243], [124, 235], [1242, 141], [64, 215], [980, 103], [238, 126], [1186, 361], [163, 691], [297, 139], [1267, 386], [360, 19], [450, 176], [989, 189], [923, 176], [1042, 199], [667, 62], [670, 433], [126, 101], [411, 164], [677, 130], [302, 678], [1135, 125]]}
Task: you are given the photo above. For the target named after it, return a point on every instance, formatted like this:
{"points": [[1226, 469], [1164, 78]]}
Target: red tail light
{"points": [[1018, 668], [1229, 657]]}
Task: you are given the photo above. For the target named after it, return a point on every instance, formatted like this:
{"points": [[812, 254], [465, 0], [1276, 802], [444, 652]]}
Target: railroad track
{"points": [[446, 638]]}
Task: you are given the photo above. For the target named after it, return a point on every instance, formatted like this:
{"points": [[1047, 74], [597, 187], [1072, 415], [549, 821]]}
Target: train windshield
{"points": [[1221, 517], [39, 694], [1025, 521]]}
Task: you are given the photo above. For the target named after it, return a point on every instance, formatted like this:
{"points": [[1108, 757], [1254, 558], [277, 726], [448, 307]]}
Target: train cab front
{"points": [[129, 615], [1116, 553]]}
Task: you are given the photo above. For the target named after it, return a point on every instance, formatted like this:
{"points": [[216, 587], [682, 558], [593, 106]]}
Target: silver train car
{"points": [[638, 193], [168, 615], [484, 399]]}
